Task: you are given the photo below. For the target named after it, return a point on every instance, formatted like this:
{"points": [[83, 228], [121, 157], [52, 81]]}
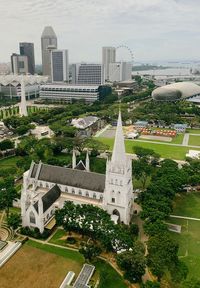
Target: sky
{"points": [[152, 29]]}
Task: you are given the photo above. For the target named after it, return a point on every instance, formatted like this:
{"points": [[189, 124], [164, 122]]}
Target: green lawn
{"points": [[194, 140], [178, 139], [189, 240], [193, 131], [67, 253], [188, 204], [57, 238], [165, 151], [112, 277], [9, 162], [189, 243]]}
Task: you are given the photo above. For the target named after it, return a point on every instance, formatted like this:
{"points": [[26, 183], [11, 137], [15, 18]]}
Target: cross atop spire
{"points": [[119, 153]]}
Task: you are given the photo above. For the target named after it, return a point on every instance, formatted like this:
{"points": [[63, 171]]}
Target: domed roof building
{"points": [[176, 91]]}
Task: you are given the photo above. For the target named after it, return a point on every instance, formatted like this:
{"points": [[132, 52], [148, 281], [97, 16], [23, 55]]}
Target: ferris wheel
{"points": [[128, 50]]}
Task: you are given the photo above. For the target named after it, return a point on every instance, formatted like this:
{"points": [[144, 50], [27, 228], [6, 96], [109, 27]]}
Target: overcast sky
{"points": [[153, 29]]}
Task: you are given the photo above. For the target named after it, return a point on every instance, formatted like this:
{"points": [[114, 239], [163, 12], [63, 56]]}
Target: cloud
{"points": [[155, 29]]}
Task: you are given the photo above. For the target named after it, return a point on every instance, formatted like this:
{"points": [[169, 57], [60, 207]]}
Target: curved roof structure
{"points": [[48, 32], [176, 91], [14, 80]]}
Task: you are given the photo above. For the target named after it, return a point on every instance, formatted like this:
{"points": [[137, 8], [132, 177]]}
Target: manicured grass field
{"points": [[39, 265], [165, 151], [189, 243], [188, 204], [113, 279], [9, 162], [189, 240], [39, 268], [193, 131], [178, 139], [194, 140]]}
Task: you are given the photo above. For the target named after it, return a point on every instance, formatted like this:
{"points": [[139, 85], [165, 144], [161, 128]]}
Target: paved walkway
{"points": [[183, 217], [186, 139], [102, 131]]}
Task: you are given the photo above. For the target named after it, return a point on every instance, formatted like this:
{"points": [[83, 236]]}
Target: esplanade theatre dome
{"points": [[176, 91]]}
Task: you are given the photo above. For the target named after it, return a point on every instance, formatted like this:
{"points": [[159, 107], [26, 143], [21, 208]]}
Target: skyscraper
{"points": [[108, 56], [120, 71], [59, 66], [48, 44], [27, 49], [88, 74], [19, 64]]}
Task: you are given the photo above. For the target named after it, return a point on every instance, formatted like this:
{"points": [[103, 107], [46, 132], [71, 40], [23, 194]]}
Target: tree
{"points": [[150, 284], [6, 144], [134, 229], [133, 264], [162, 254], [141, 169], [14, 220], [8, 193], [191, 283], [90, 251]]}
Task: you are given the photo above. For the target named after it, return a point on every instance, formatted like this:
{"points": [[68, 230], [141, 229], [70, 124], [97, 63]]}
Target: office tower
{"points": [[27, 49], [120, 71], [59, 66], [108, 56], [88, 74], [48, 44], [19, 64]]}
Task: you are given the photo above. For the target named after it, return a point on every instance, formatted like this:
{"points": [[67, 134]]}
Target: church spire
{"points": [[73, 159], [119, 153], [87, 162]]}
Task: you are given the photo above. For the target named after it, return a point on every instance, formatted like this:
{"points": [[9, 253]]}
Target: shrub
{"points": [[71, 240]]}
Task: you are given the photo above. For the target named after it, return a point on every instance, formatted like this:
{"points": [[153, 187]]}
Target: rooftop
{"points": [[49, 198], [48, 32], [83, 123], [69, 177]]}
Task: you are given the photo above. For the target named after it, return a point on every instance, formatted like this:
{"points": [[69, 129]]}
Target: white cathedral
{"points": [[47, 187]]}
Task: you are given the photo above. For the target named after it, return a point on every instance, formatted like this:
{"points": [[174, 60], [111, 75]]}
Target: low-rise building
{"points": [[88, 125], [68, 93], [180, 128], [42, 132], [141, 124], [194, 154]]}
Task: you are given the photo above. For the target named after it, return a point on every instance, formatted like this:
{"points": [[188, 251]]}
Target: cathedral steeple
{"points": [[118, 194], [119, 153]]}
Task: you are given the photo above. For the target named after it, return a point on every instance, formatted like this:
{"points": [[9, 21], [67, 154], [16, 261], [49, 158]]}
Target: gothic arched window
{"points": [[80, 192], [32, 217], [94, 196], [87, 194], [66, 189], [73, 191]]}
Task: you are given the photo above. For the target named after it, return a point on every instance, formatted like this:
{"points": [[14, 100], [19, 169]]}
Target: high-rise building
{"points": [[108, 56], [19, 64], [59, 66], [120, 71], [88, 74], [48, 44], [27, 49]]}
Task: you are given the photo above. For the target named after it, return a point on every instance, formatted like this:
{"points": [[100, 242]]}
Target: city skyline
{"points": [[154, 30]]}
